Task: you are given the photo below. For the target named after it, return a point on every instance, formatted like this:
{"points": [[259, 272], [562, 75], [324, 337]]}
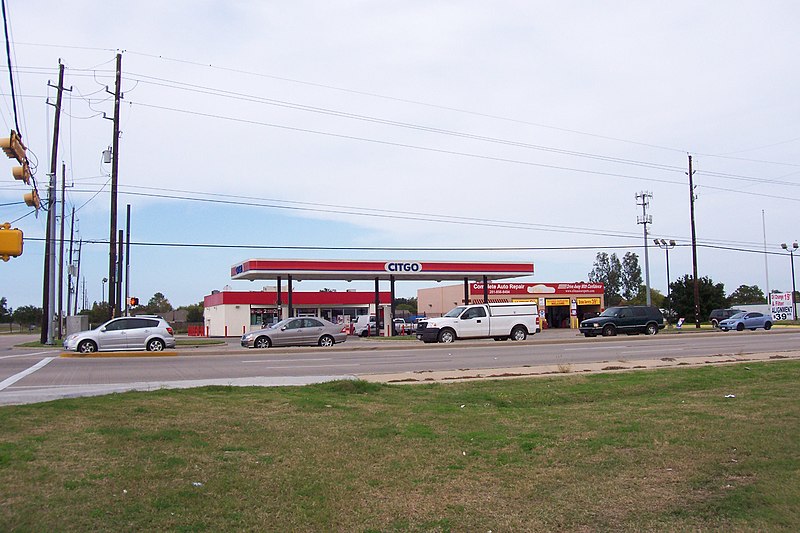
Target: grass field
{"points": [[650, 450]]}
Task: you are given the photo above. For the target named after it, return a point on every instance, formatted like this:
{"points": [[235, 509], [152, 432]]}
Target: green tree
{"points": [[746, 294], [158, 304], [194, 312], [97, 314], [712, 296], [27, 315], [406, 304], [5, 313], [631, 276], [656, 298], [607, 270]]}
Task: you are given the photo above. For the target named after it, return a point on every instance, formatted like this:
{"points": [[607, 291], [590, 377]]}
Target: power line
{"points": [[409, 248], [343, 114], [408, 101]]}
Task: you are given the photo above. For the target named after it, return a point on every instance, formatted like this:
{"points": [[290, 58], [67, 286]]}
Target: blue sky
{"points": [[545, 119]]}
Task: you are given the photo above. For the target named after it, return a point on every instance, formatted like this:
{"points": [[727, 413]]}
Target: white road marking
{"points": [[286, 360], [16, 377], [24, 355]]}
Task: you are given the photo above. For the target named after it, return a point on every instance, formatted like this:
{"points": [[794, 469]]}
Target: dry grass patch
{"points": [[661, 450]]}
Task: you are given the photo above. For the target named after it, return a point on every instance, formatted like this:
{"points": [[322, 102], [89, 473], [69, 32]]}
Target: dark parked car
{"points": [[718, 315], [630, 319]]}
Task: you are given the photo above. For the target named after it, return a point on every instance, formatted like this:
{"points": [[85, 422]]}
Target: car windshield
{"points": [[454, 312], [611, 311], [739, 315]]}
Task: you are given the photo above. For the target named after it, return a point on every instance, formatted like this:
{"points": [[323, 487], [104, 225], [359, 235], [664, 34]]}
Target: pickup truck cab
{"points": [[498, 321]]}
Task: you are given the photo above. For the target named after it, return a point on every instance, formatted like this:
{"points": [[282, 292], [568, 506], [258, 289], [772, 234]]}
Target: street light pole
{"points": [[794, 287], [666, 246], [103, 291], [645, 219]]}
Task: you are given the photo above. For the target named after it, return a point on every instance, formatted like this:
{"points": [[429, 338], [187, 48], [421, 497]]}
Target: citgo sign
{"points": [[402, 267]]}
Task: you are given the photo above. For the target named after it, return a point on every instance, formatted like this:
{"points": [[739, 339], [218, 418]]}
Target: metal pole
{"points": [[128, 261], [391, 307], [61, 253], [794, 287]]}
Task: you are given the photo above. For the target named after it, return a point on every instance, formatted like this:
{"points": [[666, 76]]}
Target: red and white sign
{"points": [[516, 289], [781, 306]]}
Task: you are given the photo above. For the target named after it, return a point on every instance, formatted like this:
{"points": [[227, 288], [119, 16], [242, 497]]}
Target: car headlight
{"points": [[247, 337]]}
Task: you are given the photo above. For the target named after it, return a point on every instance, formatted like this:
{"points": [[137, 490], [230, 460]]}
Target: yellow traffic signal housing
{"points": [[32, 199], [14, 149], [22, 173], [10, 242]]}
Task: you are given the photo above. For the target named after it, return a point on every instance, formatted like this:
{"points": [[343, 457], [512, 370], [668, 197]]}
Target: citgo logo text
{"points": [[403, 267]]}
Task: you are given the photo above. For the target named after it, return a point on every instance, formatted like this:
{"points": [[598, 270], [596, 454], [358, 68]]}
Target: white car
{"points": [[144, 332]]}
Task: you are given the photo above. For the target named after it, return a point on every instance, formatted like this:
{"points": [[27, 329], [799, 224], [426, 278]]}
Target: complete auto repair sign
{"points": [[781, 306]]}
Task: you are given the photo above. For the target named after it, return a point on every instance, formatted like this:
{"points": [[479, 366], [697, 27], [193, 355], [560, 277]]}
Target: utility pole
{"points": [[645, 219], [694, 249], [48, 288], [113, 305], [71, 266], [61, 253]]}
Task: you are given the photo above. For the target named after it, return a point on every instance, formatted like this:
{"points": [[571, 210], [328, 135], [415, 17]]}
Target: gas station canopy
{"points": [[347, 270]]}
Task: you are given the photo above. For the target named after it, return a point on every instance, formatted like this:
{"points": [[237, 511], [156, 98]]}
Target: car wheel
{"points": [[714, 323], [326, 340], [87, 347], [155, 345], [262, 342], [739, 327], [609, 330], [651, 329], [447, 336], [768, 326], [519, 334]]}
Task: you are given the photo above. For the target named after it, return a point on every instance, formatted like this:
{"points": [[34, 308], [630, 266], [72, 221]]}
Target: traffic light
{"points": [[14, 149], [133, 301], [10, 242], [32, 199]]}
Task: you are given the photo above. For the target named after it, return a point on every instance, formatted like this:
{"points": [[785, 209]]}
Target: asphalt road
{"points": [[33, 375]]}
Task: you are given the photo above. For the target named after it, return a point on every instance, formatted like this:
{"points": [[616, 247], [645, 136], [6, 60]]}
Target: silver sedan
{"points": [[296, 332]]}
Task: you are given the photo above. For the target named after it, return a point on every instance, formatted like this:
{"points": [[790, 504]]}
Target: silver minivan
{"points": [[144, 332]]}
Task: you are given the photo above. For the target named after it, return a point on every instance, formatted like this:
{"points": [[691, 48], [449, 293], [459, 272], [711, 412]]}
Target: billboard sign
{"points": [[781, 306]]}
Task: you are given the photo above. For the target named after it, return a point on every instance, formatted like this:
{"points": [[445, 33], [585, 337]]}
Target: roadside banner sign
{"points": [[781, 306]]}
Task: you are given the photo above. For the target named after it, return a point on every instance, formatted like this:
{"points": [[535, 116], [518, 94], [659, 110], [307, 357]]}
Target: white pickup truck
{"points": [[499, 321]]}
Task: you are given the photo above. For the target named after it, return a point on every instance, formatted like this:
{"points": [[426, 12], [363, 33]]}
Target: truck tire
{"points": [[609, 330], [519, 334], [447, 336]]}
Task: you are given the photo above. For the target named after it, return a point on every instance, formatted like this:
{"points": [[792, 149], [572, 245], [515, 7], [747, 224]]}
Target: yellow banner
{"points": [[588, 301], [551, 302]]}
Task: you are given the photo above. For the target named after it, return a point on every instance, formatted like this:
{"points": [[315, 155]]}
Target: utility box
{"points": [[77, 323]]}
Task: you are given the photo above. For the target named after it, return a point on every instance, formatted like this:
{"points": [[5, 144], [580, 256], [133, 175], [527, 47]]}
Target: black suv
{"points": [[630, 319], [718, 315]]}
